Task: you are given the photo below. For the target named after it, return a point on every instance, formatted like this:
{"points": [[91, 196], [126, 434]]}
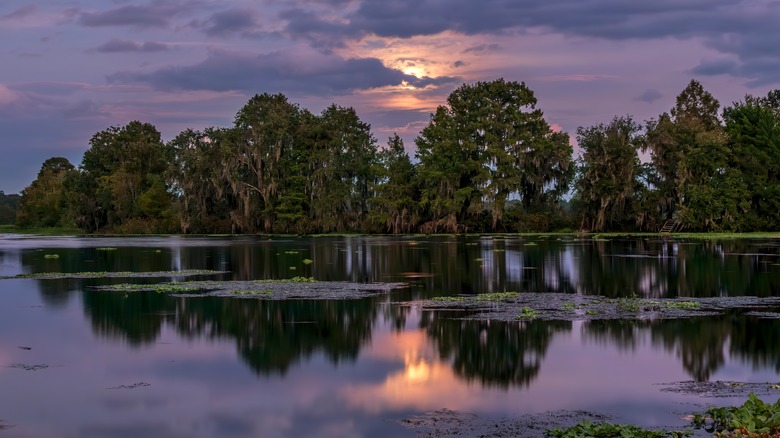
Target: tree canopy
{"points": [[487, 161]]}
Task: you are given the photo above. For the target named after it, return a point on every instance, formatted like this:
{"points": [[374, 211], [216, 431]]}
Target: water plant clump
{"points": [[496, 296], [569, 306], [159, 288], [685, 305], [51, 256], [106, 248], [120, 274], [527, 313], [754, 418], [307, 261], [448, 298], [288, 280], [252, 292], [587, 428]]}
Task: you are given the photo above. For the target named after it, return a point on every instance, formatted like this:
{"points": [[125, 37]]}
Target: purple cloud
{"points": [[285, 72], [120, 46]]}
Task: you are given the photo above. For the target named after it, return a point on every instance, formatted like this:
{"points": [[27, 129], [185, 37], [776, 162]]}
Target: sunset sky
{"points": [[70, 68]]}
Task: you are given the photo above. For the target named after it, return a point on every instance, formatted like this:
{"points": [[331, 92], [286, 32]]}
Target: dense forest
{"points": [[487, 161]]}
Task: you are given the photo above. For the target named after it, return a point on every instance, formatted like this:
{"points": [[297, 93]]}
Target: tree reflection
{"points": [[136, 318], [271, 336], [493, 353]]}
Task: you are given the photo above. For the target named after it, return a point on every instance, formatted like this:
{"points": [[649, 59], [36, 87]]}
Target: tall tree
{"points": [[753, 128], [267, 127], [489, 143], [608, 187], [122, 166], [341, 163], [674, 139], [396, 193], [42, 202]]}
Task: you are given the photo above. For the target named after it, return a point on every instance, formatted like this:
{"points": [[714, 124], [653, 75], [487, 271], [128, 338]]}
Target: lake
{"points": [[76, 361]]}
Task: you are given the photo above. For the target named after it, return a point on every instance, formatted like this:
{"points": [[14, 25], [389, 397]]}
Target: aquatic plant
{"points": [[496, 296], [685, 305], [630, 304], [51, 256], [307, 261], [754, 418], [252, 292], [288, 280], [569, 306], [448, 298], [106, 248], [587, 428], [527, 313]]}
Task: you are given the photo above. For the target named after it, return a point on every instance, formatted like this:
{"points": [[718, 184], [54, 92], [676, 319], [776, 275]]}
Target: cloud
{"points": [[715, 67], [228, 22], [650, 95], [119, 46], [745, 30], [293, 72], [155, 14], [22, 12], [7, 96]]}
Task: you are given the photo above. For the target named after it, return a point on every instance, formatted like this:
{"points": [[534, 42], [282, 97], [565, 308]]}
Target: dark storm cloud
{"points": [[279, 71], [715, 67], [155, 14], [230, 21], [650, 95], [119, 46], [744, 29]]}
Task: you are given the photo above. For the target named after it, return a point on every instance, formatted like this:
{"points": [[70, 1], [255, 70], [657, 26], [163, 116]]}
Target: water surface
{"points": [[148, 364]]}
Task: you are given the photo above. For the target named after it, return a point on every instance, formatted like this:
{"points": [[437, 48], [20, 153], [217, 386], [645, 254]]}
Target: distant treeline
{"points": [[487, 161]]}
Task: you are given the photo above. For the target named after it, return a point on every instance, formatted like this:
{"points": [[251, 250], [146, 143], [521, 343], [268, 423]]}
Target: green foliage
{"points": [[609, 191], [487, 161], [754, 418], [488, 143], [252, 292], [495, 296], [288, 280], [587, 428], [449, 299], [42, 203], [527, 313], [8, 207], [685, 305]]}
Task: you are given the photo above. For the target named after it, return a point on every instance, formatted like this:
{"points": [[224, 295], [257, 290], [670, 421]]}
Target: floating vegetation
{"points": [[479, 260], [527, 313], [292, 252], [109, 248], [51, 256], [36, 367], [123, 274], [288, 280], [496, 296], [754, 418], [307, 261], [292, 268], [449, 298], [133, 386], [569, 306], [252, 292], [531, 244], [682, 305], [302, 288], [159, 288], [586, 428], [559, 306]]}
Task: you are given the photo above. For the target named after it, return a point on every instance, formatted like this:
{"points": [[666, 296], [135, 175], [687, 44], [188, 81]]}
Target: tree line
{"points": [[487, 161]]}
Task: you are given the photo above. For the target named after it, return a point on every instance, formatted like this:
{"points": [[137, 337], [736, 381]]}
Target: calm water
{"points": [[147, 364]]}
